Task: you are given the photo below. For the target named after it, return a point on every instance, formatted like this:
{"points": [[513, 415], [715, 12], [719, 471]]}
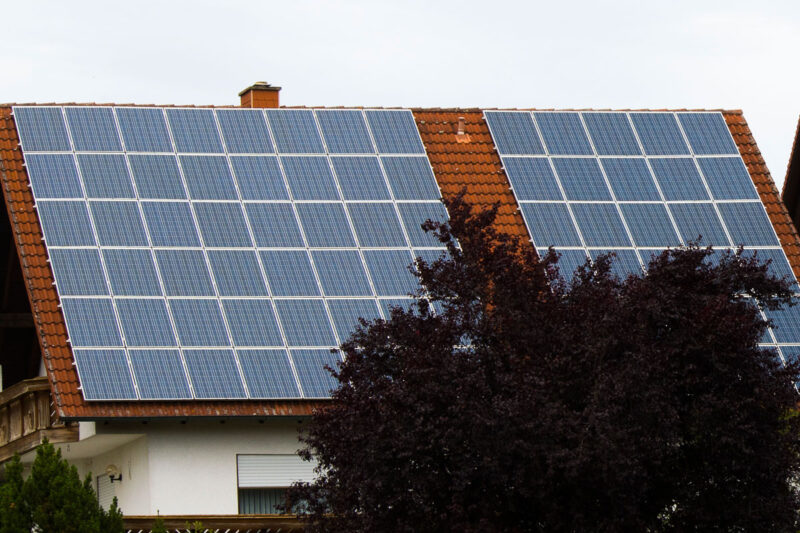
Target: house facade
{"points": [[177, 278]]}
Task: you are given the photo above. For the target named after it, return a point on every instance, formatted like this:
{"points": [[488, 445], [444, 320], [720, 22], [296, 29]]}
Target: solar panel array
{"points": [[222, 253], [634, 184]]}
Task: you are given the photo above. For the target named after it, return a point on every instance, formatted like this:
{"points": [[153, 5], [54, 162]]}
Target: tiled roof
{"points": [[791, 185], [469, 161], [50, 324], [778, 214]]}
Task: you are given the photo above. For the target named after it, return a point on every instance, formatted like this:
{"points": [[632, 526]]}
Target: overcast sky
{"points": [[622, 54]]}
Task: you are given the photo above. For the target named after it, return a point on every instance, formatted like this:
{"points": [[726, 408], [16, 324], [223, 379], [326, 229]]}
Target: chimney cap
{"points": [[260, 86]]}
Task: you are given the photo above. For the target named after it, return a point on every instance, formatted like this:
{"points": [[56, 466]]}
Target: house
{"points": [[176, 277]]}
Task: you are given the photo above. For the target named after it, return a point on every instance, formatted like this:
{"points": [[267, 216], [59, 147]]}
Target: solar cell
{"points": [[42, 129], [295, 131], [532, 178], [289, 273], [346, 315], [699, 220], [563, 133], [600, 225], [208, 177], [104, 375], [376, 225], [160, 374], [341, 273], [222, 225], [145, 322], [65, 223], [105, 176], [54, 176], [569, 261], [550, 225], [315, 380], [727, 178], [157, 176], [786, 324], [778, 266], [611, 134], [388, 305], [194, 131], [623, 262], [659, 133], [91, 322], [325, 225], [395, 132], [415, 214], [259, 178], [79, 272], [199, 322], [748, 224], [389, 270], [360, 178], [411, 178], [252, 322], [679, 179], [236, 273], [144, 129], [118, 223], [184, 273], [345, 131], [650, 225], [305, 322], [514, 133], [131, 272], [268, 374], [310, 178], [707, 133], [630, 179], [93, 129], [170, 223], [581, 179], [245, 131], [214, 374], [274, 225]]}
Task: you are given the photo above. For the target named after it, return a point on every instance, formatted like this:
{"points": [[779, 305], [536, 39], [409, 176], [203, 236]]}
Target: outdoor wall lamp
{"points": [[113, 473]]}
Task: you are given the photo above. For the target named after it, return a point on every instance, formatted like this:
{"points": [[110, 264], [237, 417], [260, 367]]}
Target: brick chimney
{"points": [[260, 94]]}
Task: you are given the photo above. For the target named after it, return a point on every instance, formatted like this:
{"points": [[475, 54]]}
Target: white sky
{"points": [[430, 53]]}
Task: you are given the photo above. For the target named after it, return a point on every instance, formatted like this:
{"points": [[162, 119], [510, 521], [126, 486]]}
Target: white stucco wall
{"points": [[190, 468]]}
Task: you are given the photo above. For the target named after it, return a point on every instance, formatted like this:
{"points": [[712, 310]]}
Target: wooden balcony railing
{"points": [[218, 523], [27, 417]]}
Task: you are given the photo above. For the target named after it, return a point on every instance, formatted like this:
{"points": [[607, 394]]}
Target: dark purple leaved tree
{"points": [[531, 403]]}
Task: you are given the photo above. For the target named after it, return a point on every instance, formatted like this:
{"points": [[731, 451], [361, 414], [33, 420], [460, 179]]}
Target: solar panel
{"points": [[145, 322], [79, 271], [691, 184], [104, 375], [93, 129], [360, 178], [194, 131], [310, 365], [394, 132], [623, 262], [245, 131], [208, 177], [42, 129], [157, 176], [259, 178], [118, 223], [144, 129], [411, 178], [532, 178], [214, 374], [160, 374], [563, 133], [630, 179], [611, 134], [268, 374], [707, 133], [295, 131], [345, 131], [105, 176], [54, 176], [679, 179]]}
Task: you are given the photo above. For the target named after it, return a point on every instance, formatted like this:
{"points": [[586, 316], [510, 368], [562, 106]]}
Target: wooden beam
{"points": [[251, 523], [16, 320]]}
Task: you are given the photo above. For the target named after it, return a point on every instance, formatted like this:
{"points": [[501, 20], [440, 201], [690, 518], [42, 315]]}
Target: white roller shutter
{"points": [[274, 470], [105, 491]]}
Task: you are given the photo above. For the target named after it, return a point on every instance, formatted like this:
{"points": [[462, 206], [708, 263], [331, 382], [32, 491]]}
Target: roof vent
{"points": [[260, 94], [461, 132]]}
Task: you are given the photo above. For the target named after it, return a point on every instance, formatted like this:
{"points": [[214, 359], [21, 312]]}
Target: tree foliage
{"points": [[52, 499], [534, 403]]}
